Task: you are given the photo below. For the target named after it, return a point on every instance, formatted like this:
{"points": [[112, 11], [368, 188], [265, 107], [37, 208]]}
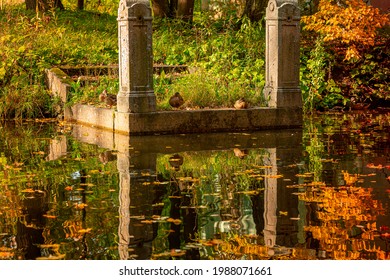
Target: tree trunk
{"points": [[80, 4], [43, 5], [205, 5], [182, 9], [160, 8], [185, 10], [255, 9]]}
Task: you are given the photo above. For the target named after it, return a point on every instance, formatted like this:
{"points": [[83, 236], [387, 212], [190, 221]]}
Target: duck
{"points": [[356, 105], [107, 156], [176, 100], [109, 99], [176, 161], [241, 104], [240, 153]]}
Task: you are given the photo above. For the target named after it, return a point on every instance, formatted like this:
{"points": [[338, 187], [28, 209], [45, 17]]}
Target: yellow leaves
{"points": [[373, 166], [350, 179], [174, 221], [85, 230], [80, 206], [49, 216], [148, 222], [283, 213], [171, 253], [353, 25], [6, 253]]}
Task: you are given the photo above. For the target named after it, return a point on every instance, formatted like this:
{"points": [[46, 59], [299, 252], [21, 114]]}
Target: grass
{"points": [[229, 63], [227, 54]]}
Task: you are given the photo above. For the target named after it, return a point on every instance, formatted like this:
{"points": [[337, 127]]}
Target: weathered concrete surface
{"points": [[91, 115], [207, 120], [58, 82], [186, 121]]}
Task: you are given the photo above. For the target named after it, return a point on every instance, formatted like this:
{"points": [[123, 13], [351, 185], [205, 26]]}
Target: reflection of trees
{"points": [[41, 207], [217, 189], [345, 220]]}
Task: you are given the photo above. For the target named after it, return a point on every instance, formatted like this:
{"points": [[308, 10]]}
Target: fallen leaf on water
{"points": [[53, 246], [49, 216], [283, 213], [52, 257], [371, 165], [273, 176], [175, 221], [87, 184], [80, 206], [176, 253], [305, 175], [149, 222], [85, 230]]}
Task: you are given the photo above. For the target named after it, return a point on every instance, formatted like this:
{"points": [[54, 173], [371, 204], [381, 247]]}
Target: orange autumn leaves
{"points": [[353, 24]]}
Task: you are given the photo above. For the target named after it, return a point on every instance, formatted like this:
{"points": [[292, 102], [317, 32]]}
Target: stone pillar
{"points": [[282, 87], [136, 94]]}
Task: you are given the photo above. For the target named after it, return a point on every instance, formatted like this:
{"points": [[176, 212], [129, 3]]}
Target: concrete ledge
{"points": [[168, 122], [205, 121], [91, 115], [186, 121]]}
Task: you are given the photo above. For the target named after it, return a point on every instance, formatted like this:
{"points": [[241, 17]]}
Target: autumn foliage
{"points": [[350, 24]]}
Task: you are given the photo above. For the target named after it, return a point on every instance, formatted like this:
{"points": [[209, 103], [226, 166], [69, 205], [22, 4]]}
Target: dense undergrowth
{"points": [[225, 56]]}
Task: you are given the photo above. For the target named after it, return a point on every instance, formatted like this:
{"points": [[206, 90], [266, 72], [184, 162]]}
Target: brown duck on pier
{"points": [[241, 104], [109, 99], [176, 100]]}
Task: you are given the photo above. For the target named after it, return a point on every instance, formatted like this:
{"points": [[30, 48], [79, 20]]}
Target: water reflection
{"points": [[73, 192]]}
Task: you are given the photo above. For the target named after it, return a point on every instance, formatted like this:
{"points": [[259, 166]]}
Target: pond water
{"points": [[320, 192]]}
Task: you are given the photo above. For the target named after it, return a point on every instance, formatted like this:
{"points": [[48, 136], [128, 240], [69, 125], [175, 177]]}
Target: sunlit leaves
{"points": [[354, 24]]}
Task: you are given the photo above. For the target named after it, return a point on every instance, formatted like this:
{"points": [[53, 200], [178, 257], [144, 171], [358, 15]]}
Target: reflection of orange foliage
{"points": [[350, 179], [346, 212], [6, 253], [242, 245], [73, 229]]}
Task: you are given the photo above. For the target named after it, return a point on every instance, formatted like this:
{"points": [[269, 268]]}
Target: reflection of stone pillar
{"points": [[57, 148], [136, 93], [270, 199], [282, 54], [124, 206], [136, 172]]}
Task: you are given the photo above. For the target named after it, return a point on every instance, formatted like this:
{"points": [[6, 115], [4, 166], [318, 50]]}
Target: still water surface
{"points": [[320, 192]]}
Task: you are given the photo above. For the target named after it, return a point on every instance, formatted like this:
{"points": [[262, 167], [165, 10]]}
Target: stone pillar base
{"points": [[283, 97], [136, 102]]}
